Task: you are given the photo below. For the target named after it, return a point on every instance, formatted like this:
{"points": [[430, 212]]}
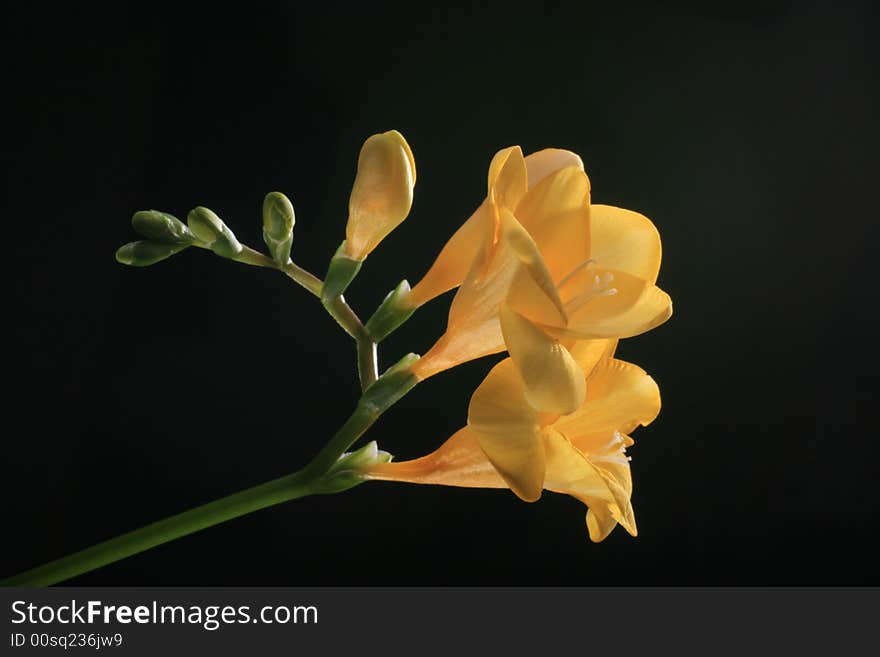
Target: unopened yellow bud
{"points": [[382, 193]]}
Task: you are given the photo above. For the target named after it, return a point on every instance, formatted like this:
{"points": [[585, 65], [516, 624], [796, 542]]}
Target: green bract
{"points": [[391, 314], [340, 274]]}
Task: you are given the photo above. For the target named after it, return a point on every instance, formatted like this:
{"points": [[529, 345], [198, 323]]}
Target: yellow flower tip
{"points": [[382, 194], [508, 179], [601, 524], [597, 530], [541, 164], [526, 494], [395, 135]]}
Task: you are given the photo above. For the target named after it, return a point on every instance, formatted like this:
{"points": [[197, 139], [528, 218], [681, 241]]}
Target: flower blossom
{"points": [[539, 268], [508, 443]]}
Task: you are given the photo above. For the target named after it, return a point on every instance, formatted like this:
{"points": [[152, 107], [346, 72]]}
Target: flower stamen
{"points": [[571, 274], [613, 451], [601, 287]]}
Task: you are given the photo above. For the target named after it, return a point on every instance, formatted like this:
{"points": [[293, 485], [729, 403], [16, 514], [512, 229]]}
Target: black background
{"points": [[744, 130]]}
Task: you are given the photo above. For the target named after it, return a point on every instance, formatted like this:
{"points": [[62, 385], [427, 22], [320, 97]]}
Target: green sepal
{"points": [[346, 472], [340, 274], [162, 227], [390, 314], [210, 229], [337, 483], [394, 383], [146, 252], [278, 221]]}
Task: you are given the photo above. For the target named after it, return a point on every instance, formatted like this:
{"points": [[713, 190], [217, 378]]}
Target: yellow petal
{"points": [[507, 182], [382, 194], [570, 471], [609, 303], [600, 522], [589, 353], [549, 160], [463, 343], [454, 261], [620, 396], [612, 462], [556, 213], [458, 462], [626, 241], [508, 179], [473, 329], [507, 430], [554, 383], [532, 291]]}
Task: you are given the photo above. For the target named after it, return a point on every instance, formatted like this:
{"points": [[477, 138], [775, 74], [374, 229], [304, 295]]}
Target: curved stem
{"points": [[309, 281], [339, 310], [306, 481], [368, 370], [247, 501]]}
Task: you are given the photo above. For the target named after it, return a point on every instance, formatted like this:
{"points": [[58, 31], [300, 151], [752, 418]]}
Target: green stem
{"points": [[306, 481], [368, 366], [307, 280], [366, 347], [247, 501], [338, 309]]}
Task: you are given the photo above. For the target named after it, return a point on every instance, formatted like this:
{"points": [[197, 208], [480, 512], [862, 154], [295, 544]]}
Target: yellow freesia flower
{"points": [[539, 267], [509, 443], [382, 194]]}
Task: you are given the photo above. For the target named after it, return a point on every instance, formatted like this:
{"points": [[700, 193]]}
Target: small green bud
{"points": [[278, 220], [145, 252], [162, 227], [210, 229], [340, 274], [392, 313]]}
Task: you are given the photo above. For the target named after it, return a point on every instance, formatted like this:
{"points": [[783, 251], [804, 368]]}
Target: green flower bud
{"points": [[340, 274], [211, 230], [145, 252], [162, 227], [392, 313], [278, 220]]}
